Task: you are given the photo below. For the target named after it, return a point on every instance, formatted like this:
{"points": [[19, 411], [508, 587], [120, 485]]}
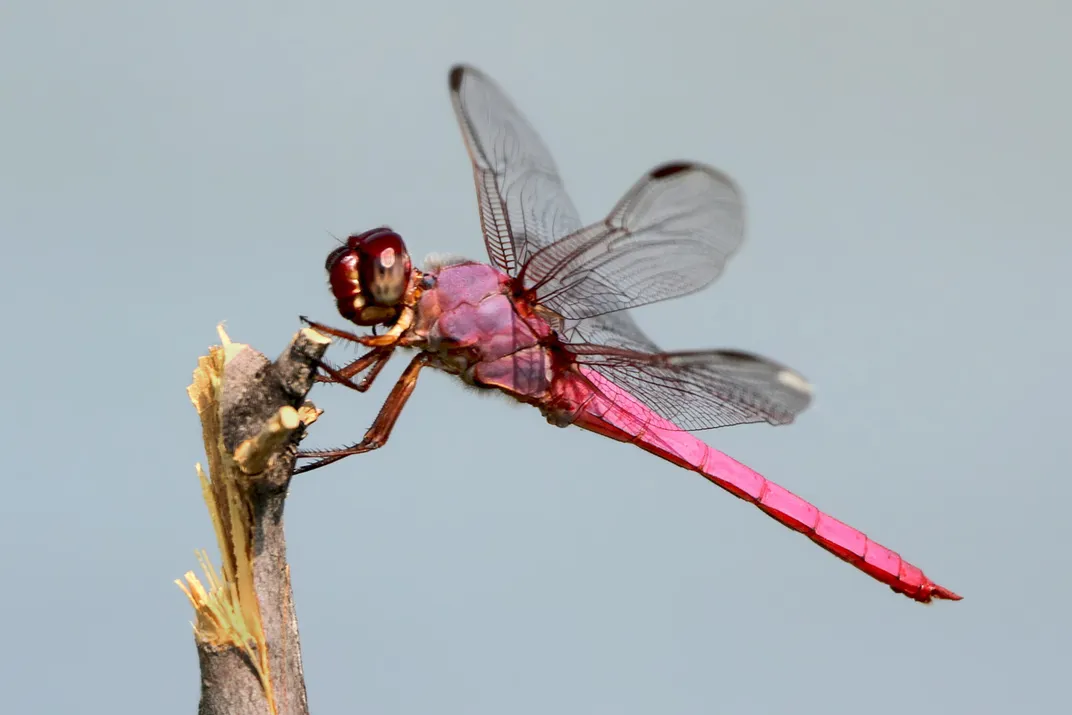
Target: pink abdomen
{"points": [[627, 420]]}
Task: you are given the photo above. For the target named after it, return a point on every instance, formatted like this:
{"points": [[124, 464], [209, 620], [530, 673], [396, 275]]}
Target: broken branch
{"points": [[253, 411]]}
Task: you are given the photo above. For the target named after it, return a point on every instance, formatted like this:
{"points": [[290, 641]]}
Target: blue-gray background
{"points": [[167, 166]]}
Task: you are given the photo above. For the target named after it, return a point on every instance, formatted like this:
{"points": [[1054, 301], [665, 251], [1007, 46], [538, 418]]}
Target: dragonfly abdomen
{"points": [[626, 420]]}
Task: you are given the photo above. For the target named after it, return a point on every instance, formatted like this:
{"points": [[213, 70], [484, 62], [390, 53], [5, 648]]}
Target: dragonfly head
{"points": [[370, 276]]}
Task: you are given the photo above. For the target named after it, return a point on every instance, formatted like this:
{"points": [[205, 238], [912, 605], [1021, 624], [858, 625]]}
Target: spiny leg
{"points": [[328, 330], [393, 336], [377, 434], [376, 358]]}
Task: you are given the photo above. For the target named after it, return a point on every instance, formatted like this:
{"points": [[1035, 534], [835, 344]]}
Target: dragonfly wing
{"points": [[703, 389], [617, 330], [670, 235], [523, 203]]}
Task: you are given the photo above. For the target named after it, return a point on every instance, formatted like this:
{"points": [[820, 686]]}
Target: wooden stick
{"points": [[253, 412]]}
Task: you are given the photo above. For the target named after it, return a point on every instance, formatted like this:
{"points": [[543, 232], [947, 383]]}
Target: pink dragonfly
{"points": [[546, 322]]}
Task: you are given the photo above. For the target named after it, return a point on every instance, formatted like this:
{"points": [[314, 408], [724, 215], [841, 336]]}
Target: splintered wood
{"points": [[227, 611]]}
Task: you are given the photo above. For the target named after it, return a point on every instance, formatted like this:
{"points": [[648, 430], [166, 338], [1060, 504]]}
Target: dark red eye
{"points": [[383, 265]]}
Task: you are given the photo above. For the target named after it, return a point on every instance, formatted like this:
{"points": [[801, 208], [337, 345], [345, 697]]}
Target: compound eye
{"points": [[384, 265]]}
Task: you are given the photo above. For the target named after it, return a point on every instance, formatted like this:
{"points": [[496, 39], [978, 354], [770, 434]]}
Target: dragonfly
{"points": [[546, 321]]}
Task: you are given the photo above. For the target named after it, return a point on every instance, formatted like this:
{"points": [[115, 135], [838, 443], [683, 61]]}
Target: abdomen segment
{"points": [[635, 423]]}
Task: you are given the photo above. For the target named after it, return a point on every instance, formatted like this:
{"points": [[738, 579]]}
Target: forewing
{"points": [[670, 235], [522, 200], [701, 390]]}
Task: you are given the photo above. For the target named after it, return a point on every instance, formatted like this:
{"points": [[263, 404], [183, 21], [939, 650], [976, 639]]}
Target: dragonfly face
{"points": [[369, 276]]}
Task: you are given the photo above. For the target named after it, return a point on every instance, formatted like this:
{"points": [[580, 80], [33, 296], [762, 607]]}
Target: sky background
{"points": [[165, 166]]}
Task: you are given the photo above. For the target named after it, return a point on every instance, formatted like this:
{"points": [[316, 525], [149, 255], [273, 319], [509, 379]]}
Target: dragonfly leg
{"points": [[377, 434], [334, 332], [394, 333], [393, 336], [376, 358]]}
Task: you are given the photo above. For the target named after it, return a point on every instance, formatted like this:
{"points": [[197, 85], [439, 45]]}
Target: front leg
{"points": [[334, 332], [378, 433], [392, 337], [376, 358]]}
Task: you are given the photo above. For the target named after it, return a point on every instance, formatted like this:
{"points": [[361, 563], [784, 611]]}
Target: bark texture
{"points": [[257, 420]]}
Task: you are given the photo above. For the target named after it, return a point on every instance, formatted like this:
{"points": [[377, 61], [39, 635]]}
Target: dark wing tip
{"points": [[669, 169], [457, 75]]}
